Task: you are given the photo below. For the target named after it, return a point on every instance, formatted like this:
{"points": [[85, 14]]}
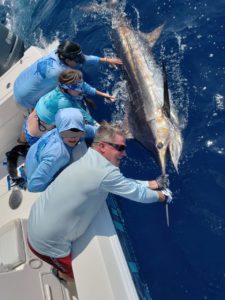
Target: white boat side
{"points": [[99, 264]]}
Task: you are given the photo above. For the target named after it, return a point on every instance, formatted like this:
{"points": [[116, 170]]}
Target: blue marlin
{"points": [[151, 117], [150, 114]]}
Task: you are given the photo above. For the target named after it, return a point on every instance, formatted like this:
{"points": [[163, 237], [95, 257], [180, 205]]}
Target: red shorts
{"points": [[62, 264]]}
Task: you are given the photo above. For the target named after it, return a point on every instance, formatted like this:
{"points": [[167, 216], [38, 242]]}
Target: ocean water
{"points": [[186, 260]]}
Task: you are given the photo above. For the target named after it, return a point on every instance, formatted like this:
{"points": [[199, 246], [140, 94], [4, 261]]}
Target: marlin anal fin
{"points": [[152, 36], [166, 104], [175, 146]]}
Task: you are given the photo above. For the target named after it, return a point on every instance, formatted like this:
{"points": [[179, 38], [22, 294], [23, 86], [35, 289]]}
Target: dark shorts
{"points": [[63, 264], [29, 138]]}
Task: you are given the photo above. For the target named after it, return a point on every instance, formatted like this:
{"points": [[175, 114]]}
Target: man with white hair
{"points": [[78, 193]]}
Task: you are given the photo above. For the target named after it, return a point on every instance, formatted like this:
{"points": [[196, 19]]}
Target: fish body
{"points": [[150, 118]]}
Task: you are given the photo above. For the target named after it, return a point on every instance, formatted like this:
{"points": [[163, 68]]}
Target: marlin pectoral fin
{"points": [[166, 104], [152, 36], [175, 147]]}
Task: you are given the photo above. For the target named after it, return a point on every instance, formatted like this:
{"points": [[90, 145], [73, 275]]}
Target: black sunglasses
{"points": [[118, 147], [41, 127]]}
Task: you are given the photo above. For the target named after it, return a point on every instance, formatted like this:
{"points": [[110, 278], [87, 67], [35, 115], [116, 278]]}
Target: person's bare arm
{"points": [[105, 95]]}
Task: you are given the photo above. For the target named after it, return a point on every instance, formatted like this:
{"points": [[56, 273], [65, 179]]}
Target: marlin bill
{"points": [[151, 116]]}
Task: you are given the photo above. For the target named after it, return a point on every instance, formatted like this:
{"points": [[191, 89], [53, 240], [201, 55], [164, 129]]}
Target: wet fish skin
{"points": [[150, 119]]}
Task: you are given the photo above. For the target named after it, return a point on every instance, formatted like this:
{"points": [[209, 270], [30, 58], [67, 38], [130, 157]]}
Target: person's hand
{"points": [[113, 61], [168, 195], [111, 98], [163, 181]]}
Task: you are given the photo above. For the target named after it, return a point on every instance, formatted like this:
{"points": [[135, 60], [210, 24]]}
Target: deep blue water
{"points": [[187, 260]]}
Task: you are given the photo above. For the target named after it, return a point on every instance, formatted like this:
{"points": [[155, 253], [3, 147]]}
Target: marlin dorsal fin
{"points": [[166, 104], [152, 36]]}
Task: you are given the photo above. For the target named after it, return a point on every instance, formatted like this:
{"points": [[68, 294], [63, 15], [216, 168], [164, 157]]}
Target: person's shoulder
{"points": [[59, 151], [51, 55], [44, 142], [52, 94], [100, 160], [90, 157], [54, 145], [49, 61]]}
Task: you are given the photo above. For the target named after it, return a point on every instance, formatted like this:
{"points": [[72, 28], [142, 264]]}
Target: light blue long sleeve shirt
{"points": [[79, 193], [42, 77], [44, 161], [50, 103], [50, 155]]}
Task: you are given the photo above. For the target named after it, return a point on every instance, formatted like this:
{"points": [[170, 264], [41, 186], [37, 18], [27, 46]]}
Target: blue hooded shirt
{"points": [[49, 155], [42, 77], [50, 103]]}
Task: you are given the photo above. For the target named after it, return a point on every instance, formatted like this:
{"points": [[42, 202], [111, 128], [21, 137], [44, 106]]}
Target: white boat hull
{"points": [[100, 268]]}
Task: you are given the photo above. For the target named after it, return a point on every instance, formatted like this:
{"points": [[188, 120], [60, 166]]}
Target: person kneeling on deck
{"points": [[78, 193], [42, 76], [69, 93], [53, 151]]}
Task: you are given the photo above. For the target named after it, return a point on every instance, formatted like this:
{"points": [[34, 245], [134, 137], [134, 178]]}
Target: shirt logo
{"points": [[44, 66]]}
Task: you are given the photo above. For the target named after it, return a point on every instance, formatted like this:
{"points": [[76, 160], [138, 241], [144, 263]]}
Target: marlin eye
{"points": [[159, 145]]}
